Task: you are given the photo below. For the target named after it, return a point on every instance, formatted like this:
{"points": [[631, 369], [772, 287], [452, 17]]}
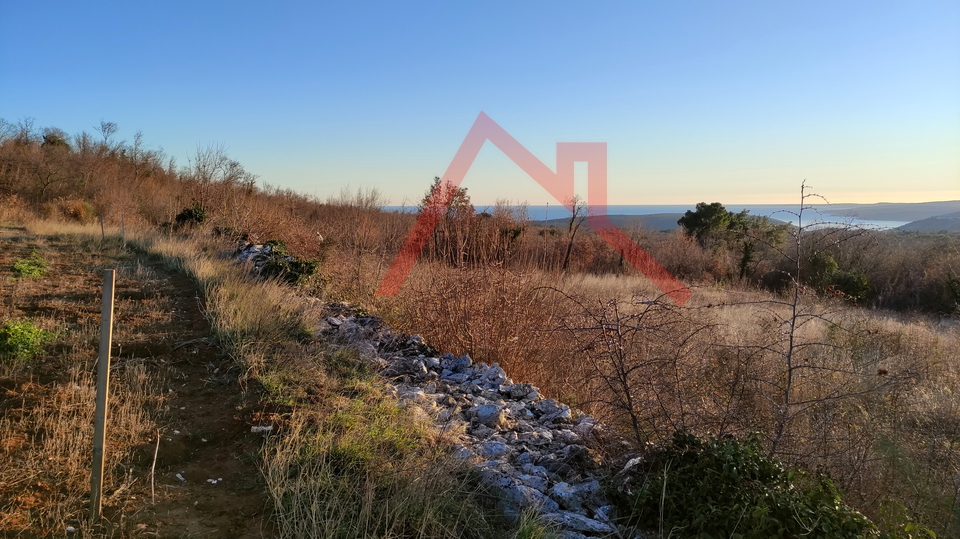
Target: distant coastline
{"points": [[664, 216]]}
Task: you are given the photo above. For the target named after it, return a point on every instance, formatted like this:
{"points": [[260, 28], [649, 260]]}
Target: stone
{"points": [[534, 481], [577, 522], [491, 415], [551, 410], [481, 432], [566, 436], [463, 454], [566, 495], [493, 450], [457, 365], [494, 376]]}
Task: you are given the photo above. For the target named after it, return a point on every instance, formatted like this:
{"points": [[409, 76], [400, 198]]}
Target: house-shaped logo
{"points": [[559, 184]]}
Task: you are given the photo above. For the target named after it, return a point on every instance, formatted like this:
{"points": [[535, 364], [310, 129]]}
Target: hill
{"points": [[654, 221], [949, 222], [893, 211]]}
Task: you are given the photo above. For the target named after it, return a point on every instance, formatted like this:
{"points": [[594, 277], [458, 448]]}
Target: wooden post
{"points": [[123, 233], [103, 387]]}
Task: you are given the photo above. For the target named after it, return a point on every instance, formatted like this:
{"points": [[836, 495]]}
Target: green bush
{"points": [[291, 269], [723, 487], [853, 284], [21, 341], [192, 215], [32, 266]]}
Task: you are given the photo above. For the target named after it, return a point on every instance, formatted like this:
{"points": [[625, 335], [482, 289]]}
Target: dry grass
{"points": [[365, 467], [47, 405], [872, 400]]}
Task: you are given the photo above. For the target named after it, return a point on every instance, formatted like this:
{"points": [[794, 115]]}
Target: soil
{"points": [[207, 483]]}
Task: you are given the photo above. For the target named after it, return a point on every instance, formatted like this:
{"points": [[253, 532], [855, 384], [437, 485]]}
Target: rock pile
{"points": [[257, 254], [528, 448]]}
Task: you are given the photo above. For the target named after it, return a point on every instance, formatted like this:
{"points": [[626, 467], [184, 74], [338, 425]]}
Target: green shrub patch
{"points": [[728, 488], [32, 266], [21, 341]]}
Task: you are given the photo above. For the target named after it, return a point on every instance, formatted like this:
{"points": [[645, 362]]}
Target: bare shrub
{"points": [[648, 364], [491, 313]]}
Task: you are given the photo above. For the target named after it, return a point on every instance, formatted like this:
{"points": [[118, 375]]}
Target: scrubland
{"points": [[836, 348]]}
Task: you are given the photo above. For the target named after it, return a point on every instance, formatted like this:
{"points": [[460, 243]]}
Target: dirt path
{"points": [[207, 481], [207, 458]]}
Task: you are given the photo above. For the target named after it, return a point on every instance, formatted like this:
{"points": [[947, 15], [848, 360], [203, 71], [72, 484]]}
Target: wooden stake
{"points": [[153, 468], [103, 387]]}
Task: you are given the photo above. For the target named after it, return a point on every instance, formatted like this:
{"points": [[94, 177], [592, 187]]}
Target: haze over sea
{"points": [[774, 211]]}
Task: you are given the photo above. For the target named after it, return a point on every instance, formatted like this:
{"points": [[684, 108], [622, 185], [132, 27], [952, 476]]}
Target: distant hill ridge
{"points": [[922, 216], [893, 211], [653, 221], [949, 222]]}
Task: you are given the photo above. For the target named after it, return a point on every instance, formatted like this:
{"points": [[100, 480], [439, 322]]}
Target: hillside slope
{"points": [[949, 222]]}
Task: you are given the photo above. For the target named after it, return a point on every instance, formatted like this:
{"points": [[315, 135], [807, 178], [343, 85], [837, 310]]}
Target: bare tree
{"points": [[578, 215], [106, 130]]}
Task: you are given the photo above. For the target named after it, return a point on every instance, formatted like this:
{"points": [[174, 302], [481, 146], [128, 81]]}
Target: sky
{"points": [[737, 102]]}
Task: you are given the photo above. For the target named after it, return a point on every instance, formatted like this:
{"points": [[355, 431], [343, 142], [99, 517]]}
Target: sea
{"points": [[781, 212]]}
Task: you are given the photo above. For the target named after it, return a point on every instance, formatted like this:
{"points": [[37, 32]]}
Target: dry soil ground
{"points": [[206, 480]]}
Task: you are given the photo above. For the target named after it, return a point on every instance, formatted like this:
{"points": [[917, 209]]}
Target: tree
{"points": [[745, 232], [106, 130], [458, 201], [577, 217], [55, 138], [705, 221], [455, 211]]}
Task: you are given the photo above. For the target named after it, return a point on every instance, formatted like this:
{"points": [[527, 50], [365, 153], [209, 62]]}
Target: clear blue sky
{"points": [[736, 102]]}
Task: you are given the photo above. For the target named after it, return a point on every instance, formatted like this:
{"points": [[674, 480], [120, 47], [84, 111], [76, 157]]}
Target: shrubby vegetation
{"points": [[825, 342], [21, 341], [31, 266], [723, 487]]}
